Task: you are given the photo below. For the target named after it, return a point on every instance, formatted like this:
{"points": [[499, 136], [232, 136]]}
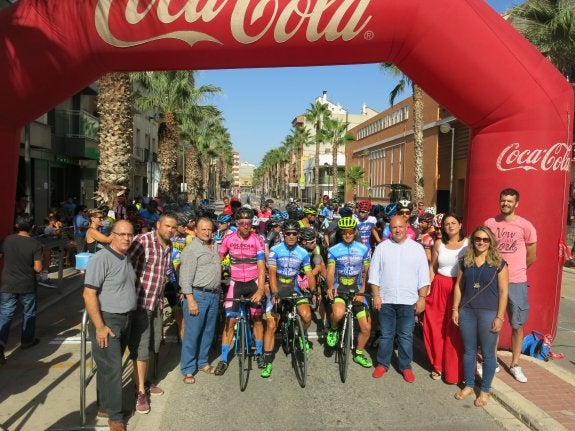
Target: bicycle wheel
{"points": [[285, 329], [345, 348], [244, 357], [299, 353]]}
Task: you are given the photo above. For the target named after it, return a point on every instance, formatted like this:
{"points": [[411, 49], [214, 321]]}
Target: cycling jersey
{"points": [[364, 228], [178, 243], [244, 255], [287, 264], [350, 261]]}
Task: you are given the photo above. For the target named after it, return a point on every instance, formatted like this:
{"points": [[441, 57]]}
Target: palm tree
{"points": [[170, 93], [335, 132], [354, 176], [115, 135], [317, 114], [404, 81], [550, 26], [301, 138]]}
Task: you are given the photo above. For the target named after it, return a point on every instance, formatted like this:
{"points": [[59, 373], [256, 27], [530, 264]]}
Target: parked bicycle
{"points": [[346, 343], [293, 337]]}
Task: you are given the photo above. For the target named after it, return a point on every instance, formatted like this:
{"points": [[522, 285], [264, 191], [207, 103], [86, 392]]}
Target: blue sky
{"points": [[259, 104]]}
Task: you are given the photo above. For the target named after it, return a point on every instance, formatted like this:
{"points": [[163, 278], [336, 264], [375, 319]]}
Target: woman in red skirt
{"points": [[440, 336]]}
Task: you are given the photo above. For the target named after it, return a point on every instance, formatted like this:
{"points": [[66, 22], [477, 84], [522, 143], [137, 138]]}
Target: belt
{"points": [[207, 289]]}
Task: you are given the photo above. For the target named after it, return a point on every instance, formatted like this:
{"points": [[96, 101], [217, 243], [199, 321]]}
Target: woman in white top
{"points": [[441, 337]]}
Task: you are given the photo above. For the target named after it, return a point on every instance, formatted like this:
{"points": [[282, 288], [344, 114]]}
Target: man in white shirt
{"points": [[399, 278]]}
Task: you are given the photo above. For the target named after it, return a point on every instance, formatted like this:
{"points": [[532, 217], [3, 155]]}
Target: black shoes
{"points": [[30, 344], [221, 368]]}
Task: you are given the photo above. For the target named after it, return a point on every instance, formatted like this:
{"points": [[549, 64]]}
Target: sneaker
{"points": [[153, 389], [363, 361], [379, 371], [480, 369], [408, 376], [301, 344], [47, 283], [332, 337], [221, 368], [142, 404], [260, 361], [517, 372], [267, 370]]}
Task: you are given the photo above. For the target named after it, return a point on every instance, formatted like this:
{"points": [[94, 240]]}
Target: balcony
{"points": [[77, 134]]}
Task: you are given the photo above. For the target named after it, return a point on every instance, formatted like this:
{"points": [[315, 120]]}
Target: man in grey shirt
{"points": [[110, 295], [200, 277]]}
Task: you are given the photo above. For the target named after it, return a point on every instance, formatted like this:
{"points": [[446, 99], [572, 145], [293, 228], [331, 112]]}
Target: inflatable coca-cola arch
{"points": [[460, 51]]}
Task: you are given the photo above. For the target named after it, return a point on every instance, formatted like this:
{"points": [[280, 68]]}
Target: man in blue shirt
{"points": [[399, 278]]}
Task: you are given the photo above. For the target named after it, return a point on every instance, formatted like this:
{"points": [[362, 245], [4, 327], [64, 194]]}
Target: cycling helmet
{"points": [[347, 223], [364, 206], [437, 220], [345, 212], [290, 225], [351, 204], [426, 217], [276, 217], [308, 209], [430, 210], [307, 234], [325, 212], [284, 215], [390, 209], [404, 204], [181, 218], [244, 213], [224, 218], [377, 209]]}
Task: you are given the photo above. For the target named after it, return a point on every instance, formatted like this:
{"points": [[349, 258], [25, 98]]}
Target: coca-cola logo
{"points": [[555, 158], [249, 22]]}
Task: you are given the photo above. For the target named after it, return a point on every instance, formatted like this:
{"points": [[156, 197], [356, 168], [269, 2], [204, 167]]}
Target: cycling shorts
{"points": [[241, 289]]}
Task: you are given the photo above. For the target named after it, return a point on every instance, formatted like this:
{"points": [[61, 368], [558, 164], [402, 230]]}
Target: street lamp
{"points": [[446, 128]]}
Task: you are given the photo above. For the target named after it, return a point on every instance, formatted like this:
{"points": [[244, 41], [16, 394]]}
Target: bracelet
{"points": [[500, 318]]}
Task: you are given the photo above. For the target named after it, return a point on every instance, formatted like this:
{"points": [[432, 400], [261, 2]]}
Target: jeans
{"points": [[8, 302], [109, 362], [199, 331], [396, 319], [475, 325]]}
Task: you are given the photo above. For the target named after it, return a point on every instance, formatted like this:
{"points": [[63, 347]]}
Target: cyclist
{"points": [[223, 222], [347, 266], [366, 224], [403, 209], [427, 233], [285, 261], [309, 215], [247, 255]]}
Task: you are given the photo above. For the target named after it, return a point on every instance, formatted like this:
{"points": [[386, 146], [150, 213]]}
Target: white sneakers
{"points": [[517, 372], [480, 369]]}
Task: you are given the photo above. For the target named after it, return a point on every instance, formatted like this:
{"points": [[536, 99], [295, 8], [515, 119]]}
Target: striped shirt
{"points": [[151, 263]]}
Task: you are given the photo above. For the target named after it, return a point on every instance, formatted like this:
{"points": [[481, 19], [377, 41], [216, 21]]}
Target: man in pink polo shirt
{"points": [[517, 243]]}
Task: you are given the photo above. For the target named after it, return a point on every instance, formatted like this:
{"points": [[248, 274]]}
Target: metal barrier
{"points": [[85, 380]]}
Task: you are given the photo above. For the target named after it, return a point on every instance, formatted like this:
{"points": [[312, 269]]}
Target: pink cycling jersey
{"points": [[244, 255]]}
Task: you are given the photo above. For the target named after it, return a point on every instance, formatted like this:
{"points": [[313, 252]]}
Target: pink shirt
{"points": [[512, 237], [244, 255]]}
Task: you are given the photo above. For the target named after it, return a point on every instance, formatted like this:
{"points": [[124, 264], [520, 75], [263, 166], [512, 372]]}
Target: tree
{"points": [[169, 93], [550, 26], [317, 114], [335, 132], [418, 153], [301, 138], [115, 108], [354, 176]]}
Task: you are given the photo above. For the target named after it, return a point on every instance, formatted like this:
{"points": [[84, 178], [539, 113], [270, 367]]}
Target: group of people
{"points": [[411, 265]]}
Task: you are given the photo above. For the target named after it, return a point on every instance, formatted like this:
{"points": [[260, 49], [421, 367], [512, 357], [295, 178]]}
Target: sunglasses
{"points": [[348, 232], [479, 239], [244, 223], [290, 234], [311, 241], [404, 212]]}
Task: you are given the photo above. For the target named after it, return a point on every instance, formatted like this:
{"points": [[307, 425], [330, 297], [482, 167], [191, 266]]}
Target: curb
{"points": [[526, 411]]}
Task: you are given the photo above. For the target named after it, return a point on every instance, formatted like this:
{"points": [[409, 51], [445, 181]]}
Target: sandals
{"points": [[481, 400], [463, 393], [208, 369], [189, 379], [435, 375]]}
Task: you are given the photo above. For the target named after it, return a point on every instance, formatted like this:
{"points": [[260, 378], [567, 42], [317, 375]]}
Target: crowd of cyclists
{"points": [[322, 251]]}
